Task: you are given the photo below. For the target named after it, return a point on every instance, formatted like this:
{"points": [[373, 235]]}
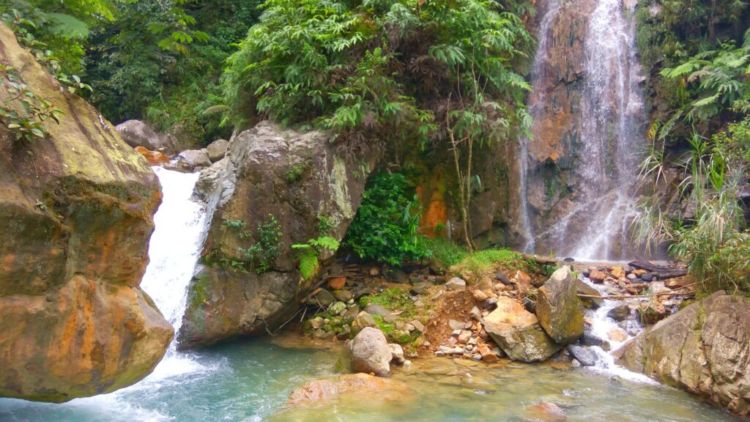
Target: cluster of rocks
{"points": [[522, 328], [665, 292], [165, 149]]}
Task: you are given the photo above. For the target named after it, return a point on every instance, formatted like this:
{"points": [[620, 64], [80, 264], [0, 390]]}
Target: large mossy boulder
{"points": [[518, 333], [558, 308], [304, 183], [704, 349], [75, 221]]}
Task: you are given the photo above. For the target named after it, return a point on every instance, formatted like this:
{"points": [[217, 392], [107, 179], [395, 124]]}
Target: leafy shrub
{"points": [[266, 249], [386, 227]]}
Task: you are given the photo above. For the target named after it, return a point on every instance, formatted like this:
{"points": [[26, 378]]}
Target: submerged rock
{"points": [[269, 174], [704, 349], [518, 332], [365, 386], [75, 220], [559, 311], [371, 352]]}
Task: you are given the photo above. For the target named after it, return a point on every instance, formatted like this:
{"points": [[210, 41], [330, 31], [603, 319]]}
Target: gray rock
{"points": [[584, 355], [397, 352], [371, 352], [192, 159], [379, 310], [457, 325], [418, 325], [456, 283], [139, 134], [363, 320], [620, 313], [217, 149]]}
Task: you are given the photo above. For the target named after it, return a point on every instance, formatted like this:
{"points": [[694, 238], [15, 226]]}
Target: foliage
{"points": [[23, 112], [382, 68], [267, 246], [309, 263], [56, 31], [489, 258], [444, 251], [161, 61], [709, 232], [386, 226]]}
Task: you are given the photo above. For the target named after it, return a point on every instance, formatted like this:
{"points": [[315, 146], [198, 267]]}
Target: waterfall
{"points": [[612, 111], [536, 98], [173, 253], [593, 219]]}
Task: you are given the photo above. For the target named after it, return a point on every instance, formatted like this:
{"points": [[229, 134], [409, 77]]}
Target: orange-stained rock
{"points": [[75, 221], [364, 386], [154, 158], [337, 283]]}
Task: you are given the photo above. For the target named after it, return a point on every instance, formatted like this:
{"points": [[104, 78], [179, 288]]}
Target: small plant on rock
{"points": [[309, 262]]}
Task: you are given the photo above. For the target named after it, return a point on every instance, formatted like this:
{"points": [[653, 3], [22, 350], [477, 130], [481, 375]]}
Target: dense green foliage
{"points": [[162, 60], [698, 54], [388, 70], [22, 111], [386, 227], [158, 60]]}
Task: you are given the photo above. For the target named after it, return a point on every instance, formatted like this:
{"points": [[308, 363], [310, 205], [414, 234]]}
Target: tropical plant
{"points": [[386, 227]]}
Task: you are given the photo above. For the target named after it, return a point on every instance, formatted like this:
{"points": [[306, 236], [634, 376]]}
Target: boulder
{"points": [[620, 312], [137, 133], [192, 160], [591, 299], [76, 213], [584, 355], [217, 149], [251, 186], [704, 349], [397, 353], [559, 311], [371, 352], [518, 332]]}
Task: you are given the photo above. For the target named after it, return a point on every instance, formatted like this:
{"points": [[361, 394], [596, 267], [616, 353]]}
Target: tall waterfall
{"points": [[595, 211]]}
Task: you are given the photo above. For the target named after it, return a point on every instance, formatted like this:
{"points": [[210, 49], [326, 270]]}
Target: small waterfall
{"points": [[536, 98], [173, 252], [601, 326]]}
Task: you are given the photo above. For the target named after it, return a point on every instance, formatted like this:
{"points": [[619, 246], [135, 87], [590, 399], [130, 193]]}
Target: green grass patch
{"points": [[445, 252], [486, 259], [393, 299]]}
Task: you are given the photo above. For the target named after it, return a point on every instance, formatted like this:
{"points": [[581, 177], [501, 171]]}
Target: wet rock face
{"points": [[299, 179], [518, 333], [75, 220], [704, 349]]}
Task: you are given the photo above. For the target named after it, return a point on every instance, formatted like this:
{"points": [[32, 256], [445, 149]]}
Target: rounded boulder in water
{"points": [[371, 352]]}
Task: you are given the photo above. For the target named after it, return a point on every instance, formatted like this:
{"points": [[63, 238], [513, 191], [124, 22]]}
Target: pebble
{"points": [[479, 295], [464, 336], [476, 313], [418, 325], [455, 325]]}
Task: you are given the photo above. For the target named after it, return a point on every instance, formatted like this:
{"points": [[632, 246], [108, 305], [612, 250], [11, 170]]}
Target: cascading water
{"points": [[601, 203], [173, 253], [537, 97]]}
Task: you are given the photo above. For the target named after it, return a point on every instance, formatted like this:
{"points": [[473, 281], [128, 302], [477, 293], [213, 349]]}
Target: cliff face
{"points": [[75, 220]]}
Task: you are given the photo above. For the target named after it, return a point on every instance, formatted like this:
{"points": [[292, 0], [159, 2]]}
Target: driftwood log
{"points": [[661, 272]]}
